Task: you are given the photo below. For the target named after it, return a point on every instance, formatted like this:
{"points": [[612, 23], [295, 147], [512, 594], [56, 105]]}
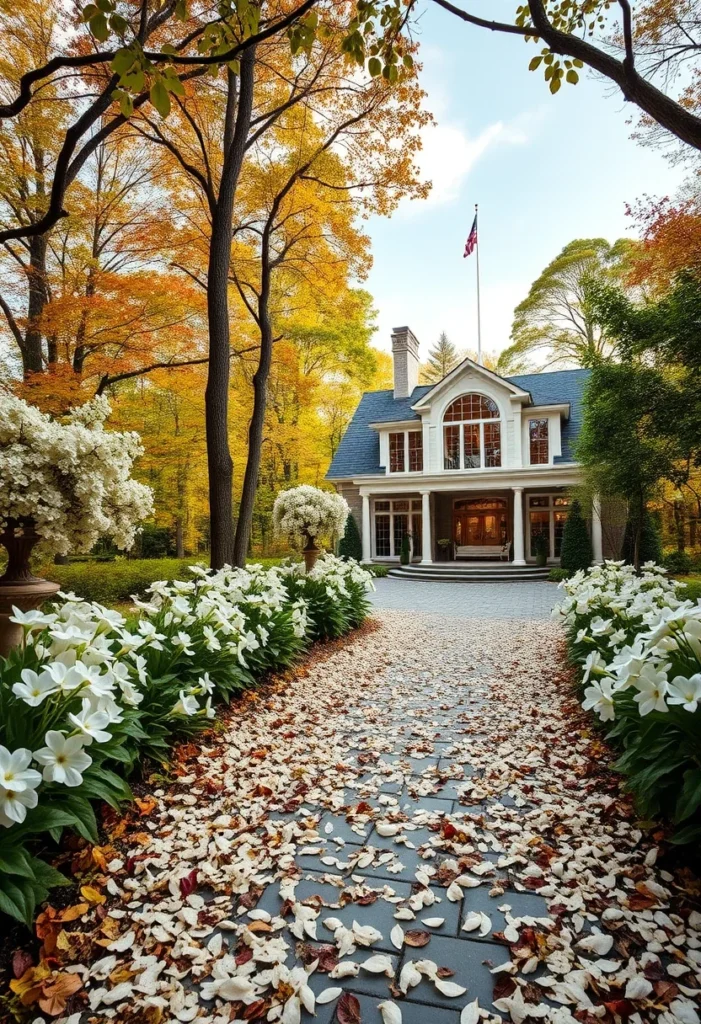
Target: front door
{"points": [[480, 522]]}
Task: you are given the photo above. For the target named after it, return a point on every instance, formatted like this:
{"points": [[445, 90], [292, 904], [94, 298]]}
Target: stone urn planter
{"points": [[310, 552], [18, 587]]}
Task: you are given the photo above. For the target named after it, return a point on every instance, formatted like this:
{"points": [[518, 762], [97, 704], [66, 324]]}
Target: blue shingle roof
{"points": [[359, 451]]}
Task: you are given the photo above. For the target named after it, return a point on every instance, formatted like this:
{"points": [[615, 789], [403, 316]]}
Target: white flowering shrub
{"points": [[334, 592], [638, 644], [90, 693], [308, 511], [71, 476]]}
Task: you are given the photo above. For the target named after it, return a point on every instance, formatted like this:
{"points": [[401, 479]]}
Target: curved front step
{"points": [[437, 573]]}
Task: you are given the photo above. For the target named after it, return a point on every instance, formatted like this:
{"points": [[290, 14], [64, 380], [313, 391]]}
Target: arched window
{"points": [[471, 433]]}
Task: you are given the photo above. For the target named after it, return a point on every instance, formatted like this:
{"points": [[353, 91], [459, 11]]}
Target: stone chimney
{"points": [[405, 353]]}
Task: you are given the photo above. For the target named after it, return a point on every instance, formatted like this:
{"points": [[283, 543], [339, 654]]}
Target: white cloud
{"points": [[448, 154]]}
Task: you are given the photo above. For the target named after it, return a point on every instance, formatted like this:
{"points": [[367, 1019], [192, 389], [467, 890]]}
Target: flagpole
{"points": [[479, 317]]}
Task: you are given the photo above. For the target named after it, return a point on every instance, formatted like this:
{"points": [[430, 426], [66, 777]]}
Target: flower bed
{"points": [[638, 644], [91, 693]]}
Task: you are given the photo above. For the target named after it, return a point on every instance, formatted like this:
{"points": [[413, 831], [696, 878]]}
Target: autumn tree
{"points": [[302, 186], [442, 358]]}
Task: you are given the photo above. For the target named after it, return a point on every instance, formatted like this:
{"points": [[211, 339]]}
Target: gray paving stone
{"points": [[522, 905], [471, 962], [366, 983], [412, 1013], [468, 600], [342, 830]]}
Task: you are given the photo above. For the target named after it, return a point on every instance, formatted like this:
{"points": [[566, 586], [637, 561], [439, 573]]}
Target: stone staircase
{"points": [[475, 572]]}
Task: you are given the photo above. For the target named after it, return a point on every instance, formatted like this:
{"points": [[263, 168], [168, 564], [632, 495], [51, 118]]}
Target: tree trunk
{"points": [[179, 539], [638, 534], [38, 296], [255, 439], [219, 463], [680, 525]]}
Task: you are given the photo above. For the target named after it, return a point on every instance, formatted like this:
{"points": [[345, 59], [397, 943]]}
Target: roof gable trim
{"points": [[469, 364]]}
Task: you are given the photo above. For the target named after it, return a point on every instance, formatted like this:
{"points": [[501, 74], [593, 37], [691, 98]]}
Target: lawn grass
{"points": [[692, 591], [113, 583]]}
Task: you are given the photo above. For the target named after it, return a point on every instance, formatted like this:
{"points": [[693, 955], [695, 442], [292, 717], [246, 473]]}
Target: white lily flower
{"points": [[686, 692], [15, 773], [91, 723], [64, 759], [34, 687]]}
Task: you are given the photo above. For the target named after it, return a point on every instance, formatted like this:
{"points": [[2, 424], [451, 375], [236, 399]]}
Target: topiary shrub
{"points": [[575, 553], [678, 562], [650, 541], [542, 546], [405, 552], [557, 575], [350, 545]]}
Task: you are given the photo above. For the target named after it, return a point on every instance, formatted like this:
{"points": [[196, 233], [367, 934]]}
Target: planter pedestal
{"points": [[310, 553], [25, 596], [18, 586]]}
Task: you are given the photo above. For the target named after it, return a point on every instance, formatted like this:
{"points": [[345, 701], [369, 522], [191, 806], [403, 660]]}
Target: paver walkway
{"points": [[473, 600], [421, 819]]}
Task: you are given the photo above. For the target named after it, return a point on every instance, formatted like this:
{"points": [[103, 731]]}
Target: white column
{"points": [[367, 538], [426, 545], [519, 558], [597, 542]]}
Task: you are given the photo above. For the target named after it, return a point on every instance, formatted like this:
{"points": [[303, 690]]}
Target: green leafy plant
{"points": [[678, 562], [542, 546], [636, 642], [350, 545], [89, 694], [405, 550], [575, 553]]}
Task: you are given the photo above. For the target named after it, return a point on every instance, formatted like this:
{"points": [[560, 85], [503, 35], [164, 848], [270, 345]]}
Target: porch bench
{"points": [[482, 551]]}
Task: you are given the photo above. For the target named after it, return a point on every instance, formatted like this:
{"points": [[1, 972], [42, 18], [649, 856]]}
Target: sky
{"points": [[544, 169]]}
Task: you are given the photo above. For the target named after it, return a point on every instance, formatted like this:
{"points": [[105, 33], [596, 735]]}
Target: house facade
{"points": [[476, 466]]}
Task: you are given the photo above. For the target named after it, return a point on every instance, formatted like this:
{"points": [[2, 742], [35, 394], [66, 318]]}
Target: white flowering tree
{"points": [[67, 482], [307, 512]]}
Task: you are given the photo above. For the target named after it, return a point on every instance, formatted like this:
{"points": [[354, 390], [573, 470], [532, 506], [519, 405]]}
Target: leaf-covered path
{"points": [[419, 827]]}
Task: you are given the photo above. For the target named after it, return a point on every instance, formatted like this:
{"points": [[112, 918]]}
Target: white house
{"points": [[474, 467]]}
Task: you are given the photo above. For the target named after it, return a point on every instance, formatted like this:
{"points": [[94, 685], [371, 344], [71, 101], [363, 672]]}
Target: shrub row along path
{"points": [[419, 827]]}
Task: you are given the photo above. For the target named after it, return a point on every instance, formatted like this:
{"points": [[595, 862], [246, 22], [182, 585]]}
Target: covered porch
{"points": [[486, 527]]}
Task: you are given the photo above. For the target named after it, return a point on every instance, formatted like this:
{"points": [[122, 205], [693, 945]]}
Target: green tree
{"points": [[664, 334], [650, 540], [555, 324], [576, 545], [350, 545], [442, 358], [625, 444]]}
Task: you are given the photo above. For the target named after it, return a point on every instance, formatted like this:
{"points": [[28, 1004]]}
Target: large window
{"points": [[406, 451], [396, 453], [394, 519], [416, 451], [547, 514], [538, 439], [472, 433]]}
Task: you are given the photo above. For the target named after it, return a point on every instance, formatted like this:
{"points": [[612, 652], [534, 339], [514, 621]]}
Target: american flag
{"points": [[471, 238]]}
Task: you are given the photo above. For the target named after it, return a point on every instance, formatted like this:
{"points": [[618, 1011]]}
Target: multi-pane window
{"points": [[382, 535], [416, 451], [406, 451], [492, 444], [396, 453], [471, 445], [471, 407], [538, 439], [547, 514], [394, 519], [478, 444], [451, 447]]}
